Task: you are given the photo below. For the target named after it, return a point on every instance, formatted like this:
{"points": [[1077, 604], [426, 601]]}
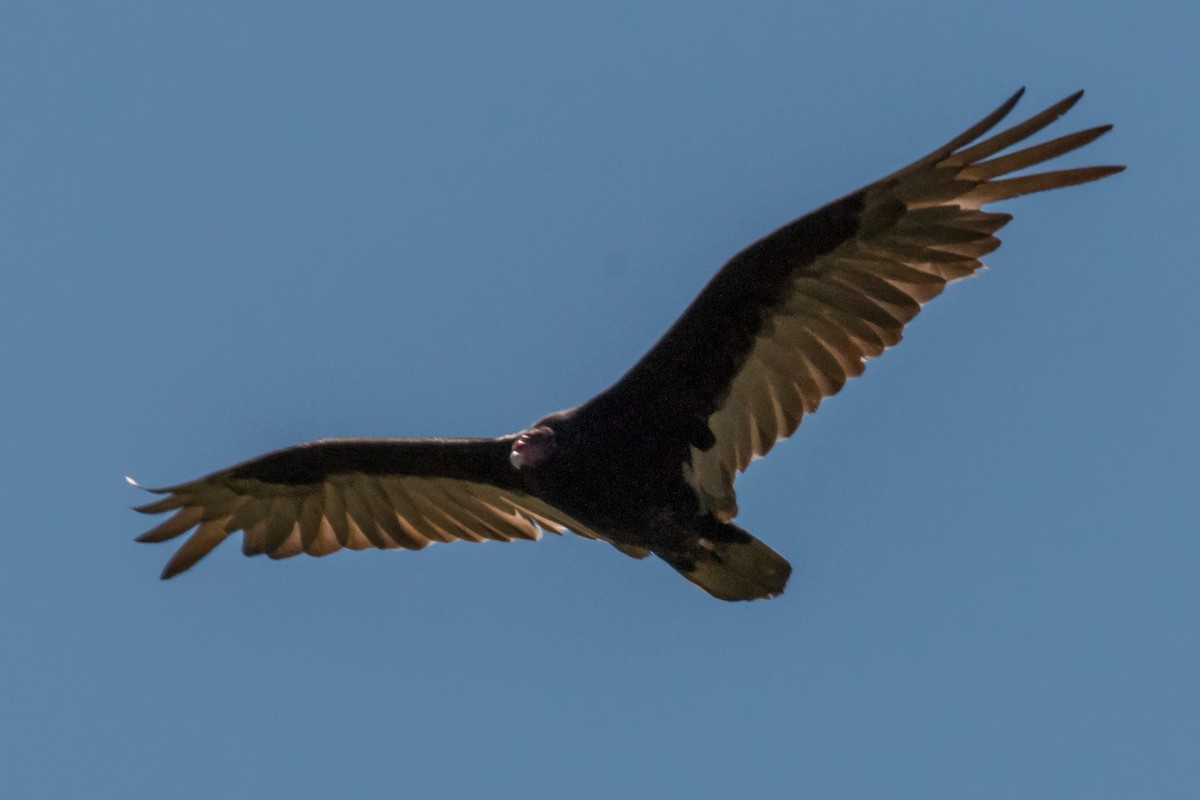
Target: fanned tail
{"points": [[739, 567]]}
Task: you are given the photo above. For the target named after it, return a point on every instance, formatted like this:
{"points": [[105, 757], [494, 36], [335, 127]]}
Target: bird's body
{"points": [[649, 464]]}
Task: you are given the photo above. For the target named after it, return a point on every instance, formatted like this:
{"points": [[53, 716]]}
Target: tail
{"points": [[738, 568]]}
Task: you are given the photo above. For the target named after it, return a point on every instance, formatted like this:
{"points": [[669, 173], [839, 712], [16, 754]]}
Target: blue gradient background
{"points": [[227, 228]]}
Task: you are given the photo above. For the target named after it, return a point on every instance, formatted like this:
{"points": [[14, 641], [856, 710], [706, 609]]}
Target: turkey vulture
{"points": [[649, 465]]}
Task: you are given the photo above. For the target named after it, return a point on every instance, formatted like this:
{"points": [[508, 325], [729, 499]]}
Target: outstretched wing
{"points": [[357, 493], [788, 320]]}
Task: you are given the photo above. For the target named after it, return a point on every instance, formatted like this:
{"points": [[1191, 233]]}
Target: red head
{"points": [[532, 448]]}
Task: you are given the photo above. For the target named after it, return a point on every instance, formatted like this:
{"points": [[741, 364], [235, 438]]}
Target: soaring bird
{"points": [[649, 464]]}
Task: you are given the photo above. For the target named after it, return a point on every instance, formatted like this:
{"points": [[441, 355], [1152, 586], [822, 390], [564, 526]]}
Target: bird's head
{"points": [[533, 447]]}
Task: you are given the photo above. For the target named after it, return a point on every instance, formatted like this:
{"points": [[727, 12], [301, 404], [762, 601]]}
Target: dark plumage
{"points": [[649, 464]]}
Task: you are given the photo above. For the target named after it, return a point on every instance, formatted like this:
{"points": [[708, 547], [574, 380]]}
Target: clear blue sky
{"points": [[231, 227]]}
